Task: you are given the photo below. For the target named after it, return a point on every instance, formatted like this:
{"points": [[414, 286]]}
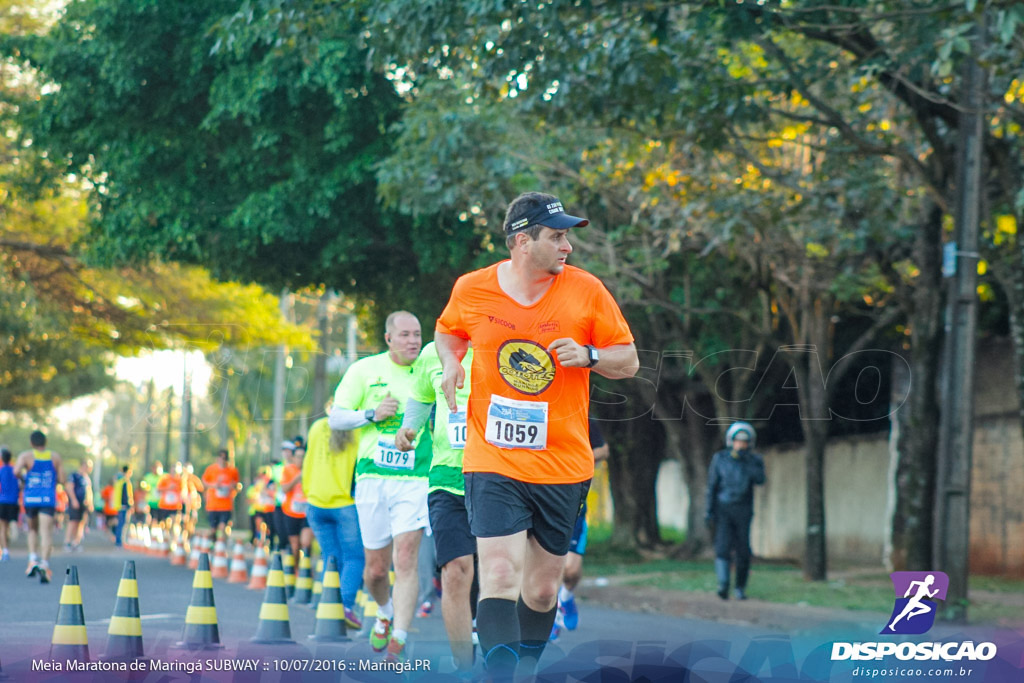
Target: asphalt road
{"points": [[28, 611], [609, 645]]}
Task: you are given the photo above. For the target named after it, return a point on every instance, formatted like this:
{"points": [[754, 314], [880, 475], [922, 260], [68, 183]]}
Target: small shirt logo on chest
{"points": [[499, 321], [549, 326]]}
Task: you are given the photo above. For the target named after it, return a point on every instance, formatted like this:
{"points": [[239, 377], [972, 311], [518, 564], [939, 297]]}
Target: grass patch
{"points": [[860, 590]]}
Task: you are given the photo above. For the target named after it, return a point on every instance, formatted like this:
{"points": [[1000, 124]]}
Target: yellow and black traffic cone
{"points": [[366, 601], [124, 639], [330, 613], [69, 638], [289, 574], [274, 626], [201, 631], [304, 582], [318, 583]]}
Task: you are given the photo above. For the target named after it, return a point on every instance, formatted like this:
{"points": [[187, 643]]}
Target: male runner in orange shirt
{"points": [[300, 535], [222, 484], [538, 327], [171, 491]]}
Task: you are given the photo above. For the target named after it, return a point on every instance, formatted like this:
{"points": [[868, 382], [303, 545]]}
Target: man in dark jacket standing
{"points": [[730, 504]]}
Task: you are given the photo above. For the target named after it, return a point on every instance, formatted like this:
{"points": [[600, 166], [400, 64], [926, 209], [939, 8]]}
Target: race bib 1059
{"points": [[517, 424]]}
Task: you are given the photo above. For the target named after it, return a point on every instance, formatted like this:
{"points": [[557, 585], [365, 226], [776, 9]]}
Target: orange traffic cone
{"points": [[239, 573], [193, 558], [220, 560], [161, 548], [274, 626], [178, 549], [258, 581], [69, 638]]}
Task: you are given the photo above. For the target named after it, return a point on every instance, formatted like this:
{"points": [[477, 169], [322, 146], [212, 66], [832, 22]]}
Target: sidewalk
{"points": [[622, 592]]}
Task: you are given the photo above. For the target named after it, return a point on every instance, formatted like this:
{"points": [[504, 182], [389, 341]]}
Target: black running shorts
{"points": [[449, 523], [501, 506], [218, 517], [9, 512], [295, 525]]}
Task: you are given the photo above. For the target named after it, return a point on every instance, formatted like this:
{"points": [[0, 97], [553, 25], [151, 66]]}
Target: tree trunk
{"points": [[700, 439], [317, 410], [814, 416], [639, 445], [816, 551], [918, 418]]}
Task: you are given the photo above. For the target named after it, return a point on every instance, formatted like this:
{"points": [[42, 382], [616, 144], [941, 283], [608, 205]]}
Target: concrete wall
{"points": [[997, 497], [857, 486], [856, 491]]}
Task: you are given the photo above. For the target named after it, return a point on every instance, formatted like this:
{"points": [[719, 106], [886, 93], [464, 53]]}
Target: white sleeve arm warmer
{"points": [[416, 415], [342, 419]]}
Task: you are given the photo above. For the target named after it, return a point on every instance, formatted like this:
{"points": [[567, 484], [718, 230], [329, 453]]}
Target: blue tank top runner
{"points": [[8, 486], [41, 482]]}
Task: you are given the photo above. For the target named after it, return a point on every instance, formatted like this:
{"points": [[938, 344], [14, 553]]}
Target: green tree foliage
{"points": [[210, 139], [64, 318], [41, 361], [859, 81]]}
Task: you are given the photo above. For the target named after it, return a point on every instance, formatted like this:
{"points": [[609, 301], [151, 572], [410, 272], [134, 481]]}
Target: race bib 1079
{"points": [[387, 455]]}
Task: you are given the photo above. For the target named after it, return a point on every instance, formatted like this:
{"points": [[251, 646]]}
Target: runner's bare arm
{"points": [[20, 464], [451, 350], [58, 466], [616, 362]]}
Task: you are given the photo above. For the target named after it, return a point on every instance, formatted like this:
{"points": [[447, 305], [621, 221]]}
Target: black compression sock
{"points": [[498, 628], [534, 629]]}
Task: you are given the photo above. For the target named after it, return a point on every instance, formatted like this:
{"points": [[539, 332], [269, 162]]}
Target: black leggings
{"points": [[732, 535]]}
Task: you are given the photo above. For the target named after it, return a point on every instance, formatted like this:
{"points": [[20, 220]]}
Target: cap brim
{"points": [[563, 221]]}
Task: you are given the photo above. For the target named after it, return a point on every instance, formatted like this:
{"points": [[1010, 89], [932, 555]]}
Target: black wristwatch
{"points": [[370, 414], [593, 354]]}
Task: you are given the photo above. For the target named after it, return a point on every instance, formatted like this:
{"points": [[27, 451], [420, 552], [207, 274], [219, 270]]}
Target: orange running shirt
{"points": [[220, 487], [106, 494], [294, 504], [511, 361], [169, 490]]}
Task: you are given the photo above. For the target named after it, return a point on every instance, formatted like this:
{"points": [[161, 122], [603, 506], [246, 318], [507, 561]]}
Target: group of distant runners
{"points": [[35, 485]]}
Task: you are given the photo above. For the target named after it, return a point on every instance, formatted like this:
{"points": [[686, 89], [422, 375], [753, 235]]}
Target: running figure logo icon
{"points": [[914, 613]]}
